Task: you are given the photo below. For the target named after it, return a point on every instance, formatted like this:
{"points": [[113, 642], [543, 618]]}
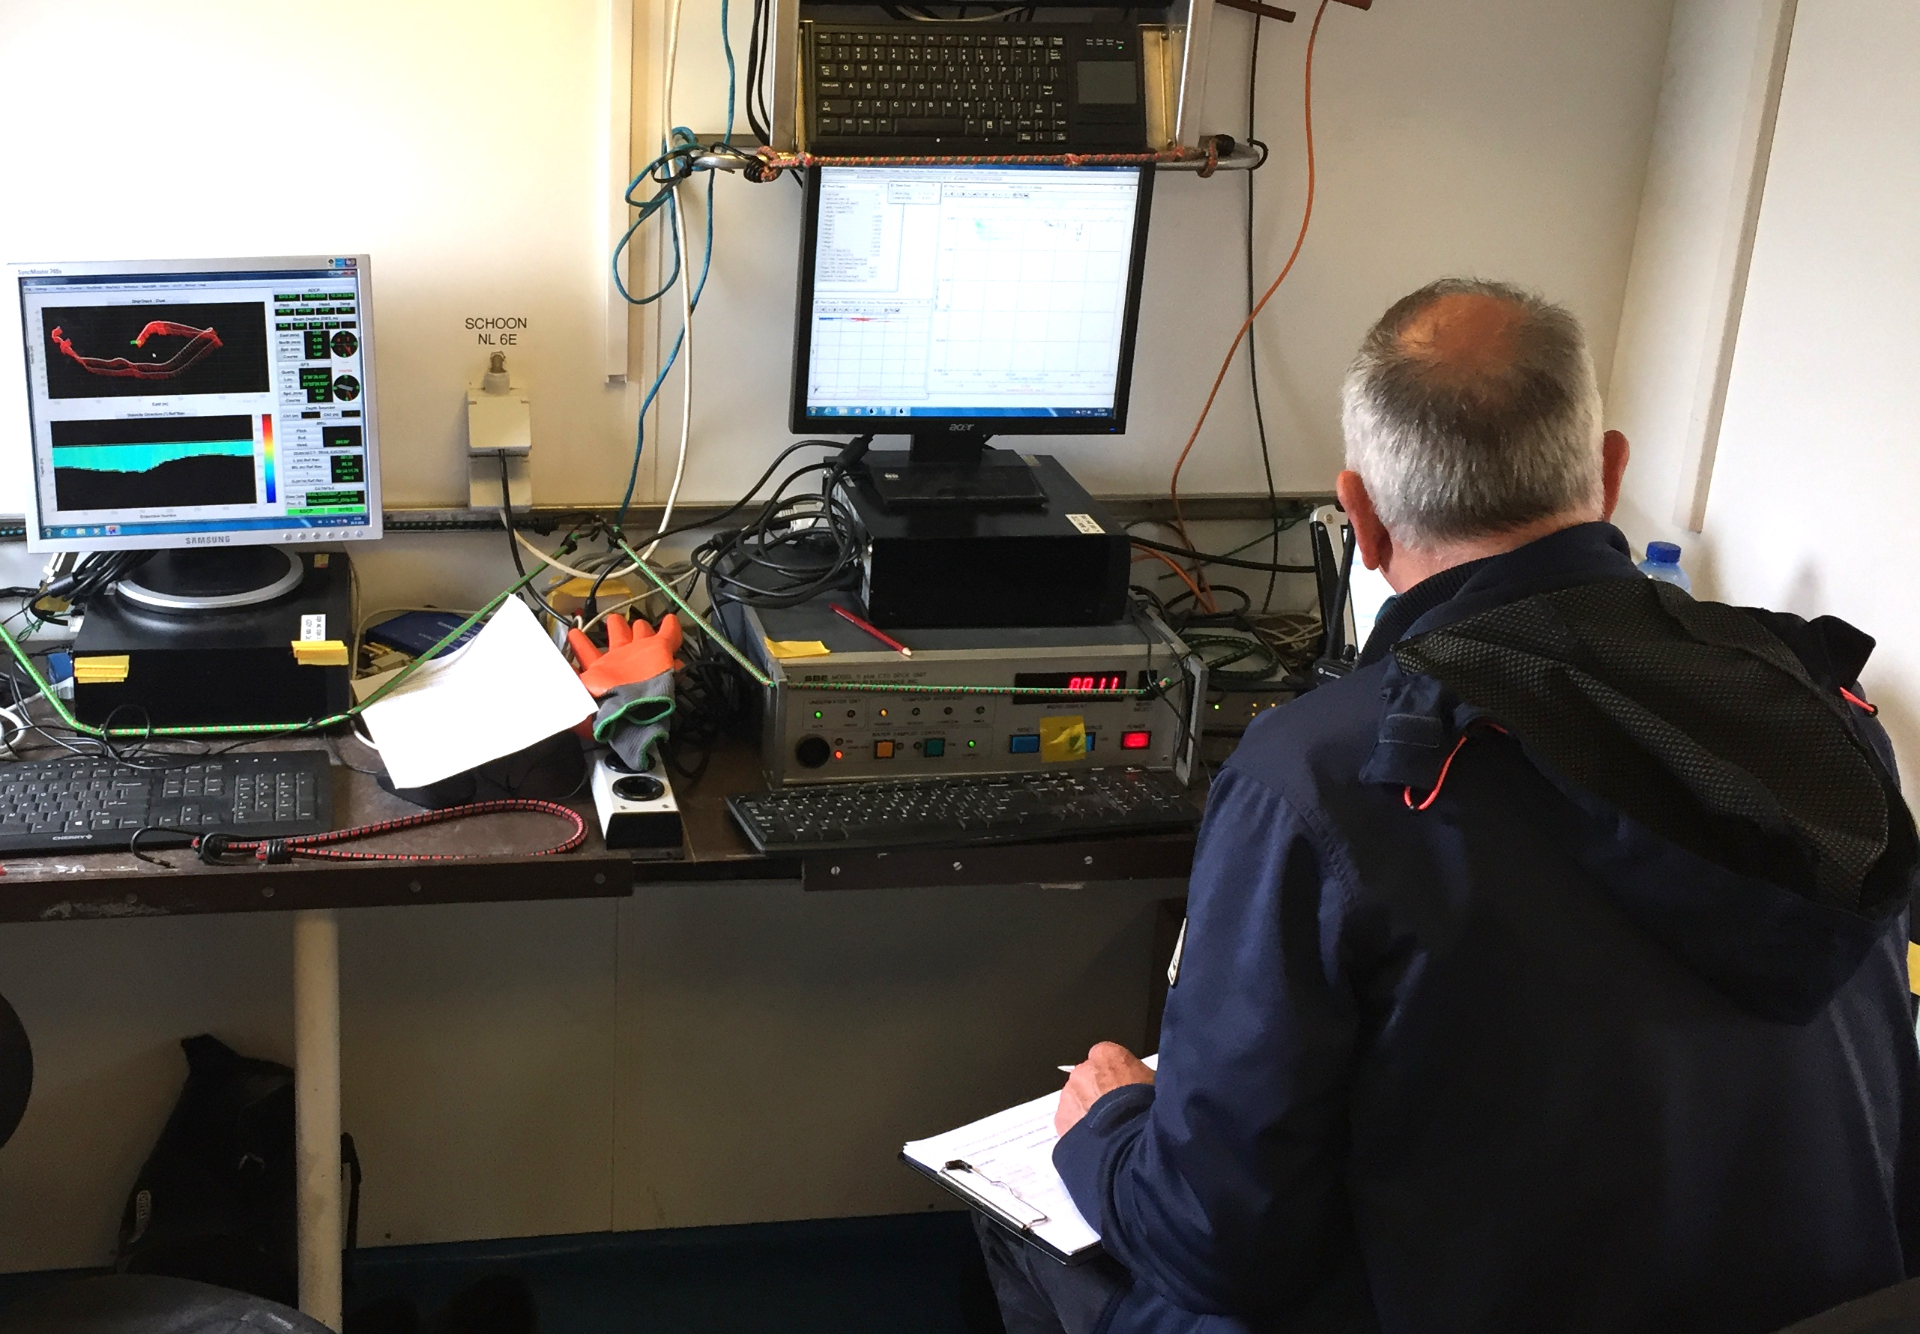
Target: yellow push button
{"points": [[883, 750]]}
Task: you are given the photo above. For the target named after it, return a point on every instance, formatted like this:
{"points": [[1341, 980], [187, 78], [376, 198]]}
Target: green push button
{"points": [[934, 747]]}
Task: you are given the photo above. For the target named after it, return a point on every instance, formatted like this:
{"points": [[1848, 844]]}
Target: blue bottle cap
{"points": [[1663, 553]]}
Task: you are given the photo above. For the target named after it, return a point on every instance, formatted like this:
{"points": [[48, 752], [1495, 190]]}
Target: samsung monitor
{"points": [[952, 304], [210, 411]]}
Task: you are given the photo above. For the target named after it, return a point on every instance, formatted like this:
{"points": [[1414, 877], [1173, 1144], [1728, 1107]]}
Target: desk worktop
{"points": [[93, 885]]}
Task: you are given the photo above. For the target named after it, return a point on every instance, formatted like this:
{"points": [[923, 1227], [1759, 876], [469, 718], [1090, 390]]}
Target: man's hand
{"points": [[1108, 1066]]}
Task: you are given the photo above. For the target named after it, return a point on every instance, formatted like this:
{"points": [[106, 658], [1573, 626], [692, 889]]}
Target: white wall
{"points": [[1675, 308], [461, 145], [525, 1068], [1818, 480]]}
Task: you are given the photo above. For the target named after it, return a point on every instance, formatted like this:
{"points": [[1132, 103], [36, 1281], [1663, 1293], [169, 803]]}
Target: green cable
{"points": [[73, 724]]}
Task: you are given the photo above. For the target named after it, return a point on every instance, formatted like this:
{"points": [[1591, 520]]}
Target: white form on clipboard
{"points": [[1003, 1166]]}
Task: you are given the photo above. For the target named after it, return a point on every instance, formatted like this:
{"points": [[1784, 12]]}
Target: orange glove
{"points": [[634, 653]]}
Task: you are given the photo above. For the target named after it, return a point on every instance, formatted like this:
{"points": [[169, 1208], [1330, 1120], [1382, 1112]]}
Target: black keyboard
{"points": [[960, 88], [1015, 808], [62, 805]]}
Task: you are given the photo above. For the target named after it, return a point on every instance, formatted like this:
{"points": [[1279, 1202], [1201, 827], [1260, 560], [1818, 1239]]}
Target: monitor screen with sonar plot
{"points": [[155, 350], [153, 463]]}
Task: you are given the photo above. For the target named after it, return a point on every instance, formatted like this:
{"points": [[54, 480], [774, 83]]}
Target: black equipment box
{"points": [[231, 666], [1066, 564]]}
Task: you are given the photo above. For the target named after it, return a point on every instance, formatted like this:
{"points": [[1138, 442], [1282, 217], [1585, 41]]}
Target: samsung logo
{"points": [[216, 540]]}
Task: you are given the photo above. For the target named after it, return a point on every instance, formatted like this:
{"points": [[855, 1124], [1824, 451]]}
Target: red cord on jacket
{"points": [[1406, 794]]}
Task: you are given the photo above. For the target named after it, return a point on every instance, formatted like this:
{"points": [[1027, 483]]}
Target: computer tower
{"points": [[1066, 564]]}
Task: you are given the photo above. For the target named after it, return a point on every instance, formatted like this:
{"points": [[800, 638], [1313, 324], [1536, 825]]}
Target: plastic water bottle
{"points": [[1663, 563]]}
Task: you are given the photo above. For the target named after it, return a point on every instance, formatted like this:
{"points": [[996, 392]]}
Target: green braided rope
{"points": [[72, 723]]}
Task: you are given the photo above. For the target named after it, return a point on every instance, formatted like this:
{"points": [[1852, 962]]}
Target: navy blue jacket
{"points": [[1506, 1063]]}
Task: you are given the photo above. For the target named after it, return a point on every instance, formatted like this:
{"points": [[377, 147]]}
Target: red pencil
{"points": [[876, 632]]}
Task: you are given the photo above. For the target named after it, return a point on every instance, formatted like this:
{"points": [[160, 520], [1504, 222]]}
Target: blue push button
{"points": [[934, 747], [1023, 745]]}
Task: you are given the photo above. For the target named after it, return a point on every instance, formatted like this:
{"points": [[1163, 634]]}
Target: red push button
{"points": [[1136, 740]]}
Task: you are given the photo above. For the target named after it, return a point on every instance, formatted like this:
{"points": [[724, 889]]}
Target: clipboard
{"points": [[1002, 1205], [1002, 1165]]}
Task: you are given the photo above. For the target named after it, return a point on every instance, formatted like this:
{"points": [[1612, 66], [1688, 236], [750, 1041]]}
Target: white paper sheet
{"points": [[1010, 1155], [506, 689]]}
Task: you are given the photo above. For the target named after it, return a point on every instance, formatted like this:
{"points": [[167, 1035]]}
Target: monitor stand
{"points": [[211, 578], [963, 474]]}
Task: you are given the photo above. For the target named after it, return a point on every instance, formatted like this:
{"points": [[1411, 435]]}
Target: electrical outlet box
{"points": [[499, 425]]}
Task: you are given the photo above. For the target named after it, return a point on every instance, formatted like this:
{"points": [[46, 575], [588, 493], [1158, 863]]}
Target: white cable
{"points": [[686, 277], [686, 364], [666, 87]]}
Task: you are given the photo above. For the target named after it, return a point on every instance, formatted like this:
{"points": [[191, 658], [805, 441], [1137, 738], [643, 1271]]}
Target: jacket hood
{"points": [[1739, 807]]}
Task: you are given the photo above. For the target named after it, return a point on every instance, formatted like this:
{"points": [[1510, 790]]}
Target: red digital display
{"points": [[1072, 682]]}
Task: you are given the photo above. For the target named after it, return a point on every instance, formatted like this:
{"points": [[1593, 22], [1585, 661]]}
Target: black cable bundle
{"points": [[713, 700], [759, 117], [796, 547], [95, 574], [1241, 647]]}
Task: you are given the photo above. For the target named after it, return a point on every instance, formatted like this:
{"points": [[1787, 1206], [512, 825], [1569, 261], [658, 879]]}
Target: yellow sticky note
{"points": [[1913, 968], [105, 669], [320, 652], [573, 594], [1063, 738], [785, 649]]}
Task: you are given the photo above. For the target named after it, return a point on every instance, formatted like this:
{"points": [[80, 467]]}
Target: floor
{"points": [[901, 1274], [916, 1272]]}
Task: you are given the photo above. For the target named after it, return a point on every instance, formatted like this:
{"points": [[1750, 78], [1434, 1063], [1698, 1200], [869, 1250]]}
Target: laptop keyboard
{"points": [[954, 86]]}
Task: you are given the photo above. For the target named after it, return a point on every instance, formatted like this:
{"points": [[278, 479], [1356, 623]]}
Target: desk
{"points": [[83, 886]]}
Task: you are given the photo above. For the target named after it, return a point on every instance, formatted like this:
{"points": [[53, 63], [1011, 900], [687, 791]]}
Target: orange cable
{"points": [[1306, 220], [1200, 598]]}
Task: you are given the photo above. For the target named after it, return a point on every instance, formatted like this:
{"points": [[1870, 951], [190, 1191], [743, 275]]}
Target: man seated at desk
{"points": [[1545, 973]]}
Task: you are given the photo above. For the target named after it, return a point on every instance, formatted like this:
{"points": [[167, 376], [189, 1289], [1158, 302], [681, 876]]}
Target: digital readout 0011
{"points": [[1070, 685]]}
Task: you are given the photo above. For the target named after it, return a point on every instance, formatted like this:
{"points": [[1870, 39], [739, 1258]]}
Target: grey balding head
{"points": [[1473, 409]]}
